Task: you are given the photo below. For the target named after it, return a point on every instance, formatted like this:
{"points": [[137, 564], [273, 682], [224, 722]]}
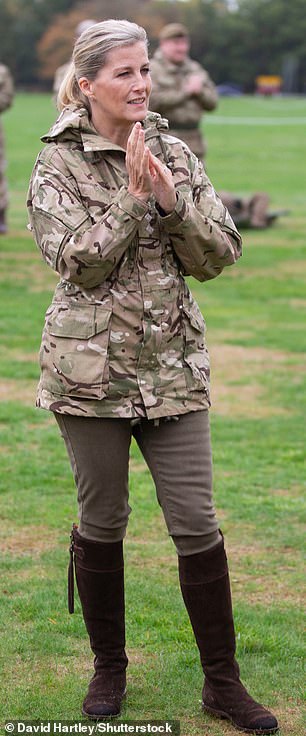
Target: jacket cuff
{"points": [[132, 205], [180, 212]]}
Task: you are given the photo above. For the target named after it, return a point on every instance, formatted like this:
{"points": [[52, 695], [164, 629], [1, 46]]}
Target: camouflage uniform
{"points": [[183, 111], [6, 98], [123, 336]]}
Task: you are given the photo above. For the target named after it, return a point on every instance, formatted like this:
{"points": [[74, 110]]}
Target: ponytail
{"points": [[69, 92]]}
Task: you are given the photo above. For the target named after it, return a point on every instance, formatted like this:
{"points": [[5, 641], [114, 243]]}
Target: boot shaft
{"points": [[99, 571], [205, 587]]}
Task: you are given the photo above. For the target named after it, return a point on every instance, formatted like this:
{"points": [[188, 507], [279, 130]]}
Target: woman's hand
{"points": [[148, 175], [162, 184], [137, 164]]}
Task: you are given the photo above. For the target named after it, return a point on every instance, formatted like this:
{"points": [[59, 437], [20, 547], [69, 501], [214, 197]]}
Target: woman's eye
{"points": [[145, 71]]}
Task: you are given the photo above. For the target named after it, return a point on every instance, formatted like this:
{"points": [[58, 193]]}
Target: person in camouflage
{"points": [[123, 212], [182, 89], [6, 98]]}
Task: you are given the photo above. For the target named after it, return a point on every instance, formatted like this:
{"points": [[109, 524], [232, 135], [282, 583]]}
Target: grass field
{"points": [[255, 314]]}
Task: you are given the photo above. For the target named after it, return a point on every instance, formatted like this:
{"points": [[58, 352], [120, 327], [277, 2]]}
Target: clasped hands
{"points": [[148, 175], [194, 84]]}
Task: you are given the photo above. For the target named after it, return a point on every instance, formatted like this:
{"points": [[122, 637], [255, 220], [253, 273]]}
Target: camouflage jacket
{"points": [[183, 110], [6, 88], [123, 336]]}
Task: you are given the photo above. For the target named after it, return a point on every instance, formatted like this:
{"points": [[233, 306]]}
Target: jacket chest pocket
{"points": [[74, 351], [196, 356]]}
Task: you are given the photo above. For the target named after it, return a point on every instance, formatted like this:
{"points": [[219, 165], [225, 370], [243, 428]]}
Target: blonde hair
{"points": [[90, 54]]}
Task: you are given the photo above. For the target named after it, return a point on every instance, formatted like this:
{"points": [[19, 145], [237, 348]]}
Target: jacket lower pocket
{"points": [[74, 350], [196, 356]]}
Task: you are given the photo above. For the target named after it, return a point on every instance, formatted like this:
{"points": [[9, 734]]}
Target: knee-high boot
{"points": [[99, 572], [206, 592]]}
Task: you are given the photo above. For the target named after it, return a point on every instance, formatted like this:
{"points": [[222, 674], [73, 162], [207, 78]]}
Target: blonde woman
{"points": [[123, 212]]}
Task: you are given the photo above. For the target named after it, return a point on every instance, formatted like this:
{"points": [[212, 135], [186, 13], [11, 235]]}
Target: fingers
{"points": [[135, 150], [135, 143], [147, 174], [137, 163], [162, 184], [158, 169]]}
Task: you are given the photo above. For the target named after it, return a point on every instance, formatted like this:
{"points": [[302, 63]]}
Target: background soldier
{"points": [[182, 89], [6, 98]]}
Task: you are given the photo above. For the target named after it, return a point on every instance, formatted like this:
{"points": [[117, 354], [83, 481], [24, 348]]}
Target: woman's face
{"points": [[121, 90]]}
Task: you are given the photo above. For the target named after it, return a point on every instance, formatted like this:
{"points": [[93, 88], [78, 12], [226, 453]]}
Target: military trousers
{"points": [[178, 454]]}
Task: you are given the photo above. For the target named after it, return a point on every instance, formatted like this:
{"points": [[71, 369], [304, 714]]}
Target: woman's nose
{"points": [[139, 82]]}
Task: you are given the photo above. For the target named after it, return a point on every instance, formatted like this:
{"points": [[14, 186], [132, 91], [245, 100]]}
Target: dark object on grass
{"points": [[251, 212]]}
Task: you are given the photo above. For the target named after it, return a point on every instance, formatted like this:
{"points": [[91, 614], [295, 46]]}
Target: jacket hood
{"points": [[74, 124]]}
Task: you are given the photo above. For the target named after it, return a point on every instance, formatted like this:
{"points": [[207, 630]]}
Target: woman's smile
{"points": [[138, 101]]}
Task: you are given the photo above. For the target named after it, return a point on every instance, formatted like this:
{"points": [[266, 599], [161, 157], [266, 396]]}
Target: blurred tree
{"points": [[276, 29], [6, 21], [54, 47], [257, 37], [24, 22], [235, 40]]}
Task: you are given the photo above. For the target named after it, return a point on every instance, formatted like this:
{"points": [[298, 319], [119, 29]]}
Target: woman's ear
{"points": [[85, 86]]}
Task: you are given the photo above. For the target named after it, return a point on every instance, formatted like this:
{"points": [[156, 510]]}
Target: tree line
{"points": [[234, 41]]}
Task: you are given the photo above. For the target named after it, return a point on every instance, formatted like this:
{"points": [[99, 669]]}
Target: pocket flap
{"points": [[195, 317], [80, 322]]}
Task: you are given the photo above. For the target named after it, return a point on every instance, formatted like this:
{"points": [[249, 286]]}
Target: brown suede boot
{"points": [[3, 226], [99, 571], [206, 592]]}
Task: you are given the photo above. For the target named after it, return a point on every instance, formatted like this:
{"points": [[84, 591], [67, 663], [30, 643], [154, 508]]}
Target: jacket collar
{"points": [[73, 124]]}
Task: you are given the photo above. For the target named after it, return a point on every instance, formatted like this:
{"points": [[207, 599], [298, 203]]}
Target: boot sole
{"points": [[225, 716], [100, 717]]}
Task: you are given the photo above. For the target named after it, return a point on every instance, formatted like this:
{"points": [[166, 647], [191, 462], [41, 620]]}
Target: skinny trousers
{"points": [[178, 455]]}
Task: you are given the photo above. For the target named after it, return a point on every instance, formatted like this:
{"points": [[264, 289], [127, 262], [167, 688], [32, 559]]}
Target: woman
{"points": [[122, 212]]}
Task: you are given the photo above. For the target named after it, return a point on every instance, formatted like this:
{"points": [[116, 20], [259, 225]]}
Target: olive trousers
{"points": [[178, 454]]}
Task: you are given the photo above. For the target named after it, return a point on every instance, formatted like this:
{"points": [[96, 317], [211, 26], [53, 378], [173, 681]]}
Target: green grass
{"points": [[255, 316]]}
